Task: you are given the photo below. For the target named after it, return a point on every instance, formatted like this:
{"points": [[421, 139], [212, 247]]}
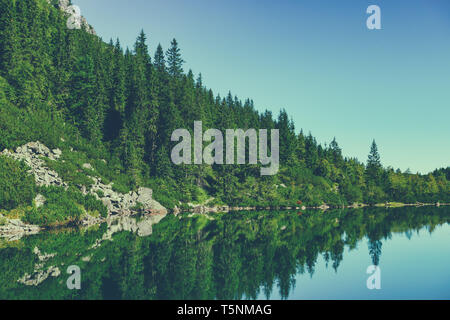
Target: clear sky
{"points": [[316, 59]]}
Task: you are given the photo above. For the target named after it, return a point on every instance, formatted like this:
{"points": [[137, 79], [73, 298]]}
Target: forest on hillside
{"points": [[71, 90]]}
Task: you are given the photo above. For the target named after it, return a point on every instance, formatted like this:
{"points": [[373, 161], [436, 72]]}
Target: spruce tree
{"points": [[116, 94], [87, 105], [174, 60], [287, 137], [336, 152], [159, 60], [139, 111], [373, 169], [169, 117], [199, 82]]}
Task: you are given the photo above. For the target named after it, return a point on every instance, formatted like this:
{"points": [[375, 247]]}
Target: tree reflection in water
{"points": [[232, 256]]}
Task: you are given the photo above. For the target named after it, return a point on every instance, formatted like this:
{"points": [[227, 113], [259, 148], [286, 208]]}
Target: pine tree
{"points": [[87, 105], [169, 115], [163, 163], [373, 169], [287, 137], [190, 110], [154, 114], [149, 104], [116, 94], [199, 82], [139, 109], [311, 152], [159, 60], [62, 61], [336, 152], [141, 48], [174, 60]]}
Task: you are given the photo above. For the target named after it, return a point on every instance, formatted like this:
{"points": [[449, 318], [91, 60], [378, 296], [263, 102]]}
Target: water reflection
{"points": [[231, 256]]}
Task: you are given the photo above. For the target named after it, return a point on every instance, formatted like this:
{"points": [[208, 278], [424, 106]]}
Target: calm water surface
{"points": [[246, 255]]}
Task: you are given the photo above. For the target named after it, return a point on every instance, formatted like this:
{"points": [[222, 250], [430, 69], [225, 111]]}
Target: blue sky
{"points": [[317, 60]]}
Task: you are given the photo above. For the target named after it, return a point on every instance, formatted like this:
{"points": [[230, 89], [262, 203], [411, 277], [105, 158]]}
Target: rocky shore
{"points": [[121, 205], [118, 204]]}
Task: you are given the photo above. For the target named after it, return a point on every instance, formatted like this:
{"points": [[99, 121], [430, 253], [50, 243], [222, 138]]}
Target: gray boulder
{"points": [[39, 200]]}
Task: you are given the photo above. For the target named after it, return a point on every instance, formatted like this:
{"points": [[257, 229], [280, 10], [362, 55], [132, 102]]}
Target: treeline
{"points": [[123, 104]]}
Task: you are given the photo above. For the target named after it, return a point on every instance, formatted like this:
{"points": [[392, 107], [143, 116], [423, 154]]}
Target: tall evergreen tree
{"points": [[373, 169], [336, 152], [159, 60], [287, 137], [174, 60], [140, 113], [169, 115], [116, 94], [86, 106]]}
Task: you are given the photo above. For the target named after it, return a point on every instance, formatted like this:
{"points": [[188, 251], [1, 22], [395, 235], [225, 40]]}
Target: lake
{"points": [[241, 255]]}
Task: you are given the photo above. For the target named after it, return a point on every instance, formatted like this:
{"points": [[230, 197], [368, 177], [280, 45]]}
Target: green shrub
{"points": [[17, 186], [118, 187], [100, 193], [92, 204], [63, 206], [164, 192], [54, 214]]}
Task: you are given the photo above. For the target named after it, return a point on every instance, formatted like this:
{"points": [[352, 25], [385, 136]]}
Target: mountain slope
{"points": [[98, 103]]}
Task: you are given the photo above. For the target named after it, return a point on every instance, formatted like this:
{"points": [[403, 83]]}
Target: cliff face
{"points": [[65, 6]]}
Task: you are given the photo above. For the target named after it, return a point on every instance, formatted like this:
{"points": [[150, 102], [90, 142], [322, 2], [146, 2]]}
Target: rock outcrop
{"points": [[64, 6], [31, 154], [126, 204], [116, 203], [39, 201]]}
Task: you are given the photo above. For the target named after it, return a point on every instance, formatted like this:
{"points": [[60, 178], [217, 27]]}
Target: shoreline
{"points": [[225, 209], [15, 229]]}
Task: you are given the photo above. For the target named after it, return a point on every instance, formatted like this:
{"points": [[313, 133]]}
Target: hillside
{"points": [[110, 113]]}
